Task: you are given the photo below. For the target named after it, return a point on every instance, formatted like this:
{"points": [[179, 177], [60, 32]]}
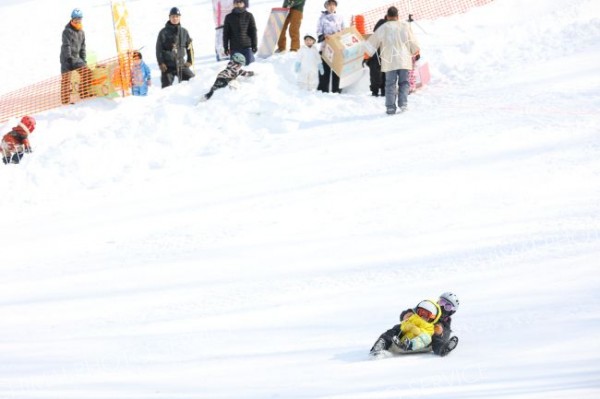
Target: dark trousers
{"points": [[167, 78], [385, 340], [65, 88], [328, 76], [219, 84], [377, 78]]}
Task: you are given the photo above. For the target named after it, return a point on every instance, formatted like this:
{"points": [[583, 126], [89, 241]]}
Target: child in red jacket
{"points": [[16, 142]]}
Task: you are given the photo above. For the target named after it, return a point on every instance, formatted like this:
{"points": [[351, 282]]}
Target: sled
{"points": [[395, 351], [272, 32], [419, 76]]}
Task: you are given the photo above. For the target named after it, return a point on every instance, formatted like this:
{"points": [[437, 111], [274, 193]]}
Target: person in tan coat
{"points": [[397, 45], [293, 21]]}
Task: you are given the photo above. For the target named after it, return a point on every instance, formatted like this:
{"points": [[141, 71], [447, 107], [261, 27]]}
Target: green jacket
{"points": [[294, 4]]}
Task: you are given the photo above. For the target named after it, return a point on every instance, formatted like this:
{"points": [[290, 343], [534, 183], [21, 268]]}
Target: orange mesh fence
{"points": [[421, 9], [105, 79]]}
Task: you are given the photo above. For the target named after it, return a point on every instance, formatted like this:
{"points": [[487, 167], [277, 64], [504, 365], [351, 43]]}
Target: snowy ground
{"points": [[256, 245]]}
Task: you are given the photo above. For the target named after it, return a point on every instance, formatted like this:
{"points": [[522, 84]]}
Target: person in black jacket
{"points": [[377, 78], [239, 32], [173, 47], [73, 57]]}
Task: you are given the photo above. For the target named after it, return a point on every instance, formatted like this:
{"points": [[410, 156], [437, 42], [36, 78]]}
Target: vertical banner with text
{"points": [[124, 43]]}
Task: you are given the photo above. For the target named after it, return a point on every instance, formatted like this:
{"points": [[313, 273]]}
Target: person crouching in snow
{"points": [[140, 75], [16, 142], [415, 331], [309, 65], [229, 74]]}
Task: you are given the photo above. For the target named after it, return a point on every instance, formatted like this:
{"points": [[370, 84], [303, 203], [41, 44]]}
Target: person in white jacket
{"points": [[309, 65], [397, 45]]}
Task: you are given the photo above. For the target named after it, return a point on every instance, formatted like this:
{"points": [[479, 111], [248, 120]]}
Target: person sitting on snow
{"points": [[16, 142], [416, 331], [309, 65], [229, 74]]}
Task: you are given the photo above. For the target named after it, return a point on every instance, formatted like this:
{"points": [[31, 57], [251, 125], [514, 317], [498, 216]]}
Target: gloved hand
{"points": [[254, 50], [321, 70], [163, 68], [417, 56], [415, 330], [438, 329], [188, 64], [365, 61], [226, 51], [406, 326], [251, 73], [28, 150], [297, 66]]}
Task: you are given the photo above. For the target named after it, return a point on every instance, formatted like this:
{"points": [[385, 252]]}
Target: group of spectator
{"points": [[391, 49]]}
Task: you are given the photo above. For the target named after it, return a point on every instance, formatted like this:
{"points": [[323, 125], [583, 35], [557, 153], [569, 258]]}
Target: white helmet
{"points": [[429, 310], [449, 298]]}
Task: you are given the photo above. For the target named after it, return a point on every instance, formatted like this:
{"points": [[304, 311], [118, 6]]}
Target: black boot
{"points": [[16, 158], [449, 346]]}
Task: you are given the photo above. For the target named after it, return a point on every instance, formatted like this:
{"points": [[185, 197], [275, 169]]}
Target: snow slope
{"points": [[255, 246]]}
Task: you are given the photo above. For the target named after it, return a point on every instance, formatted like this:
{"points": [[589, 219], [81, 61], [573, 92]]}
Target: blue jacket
{"points": [[140, 76]]}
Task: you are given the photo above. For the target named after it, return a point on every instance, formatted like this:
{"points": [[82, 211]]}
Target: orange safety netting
{"points": [[108, 78], [420, 9]]}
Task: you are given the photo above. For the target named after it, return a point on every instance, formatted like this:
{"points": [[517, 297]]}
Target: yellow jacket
{"points": [[418, 331]]}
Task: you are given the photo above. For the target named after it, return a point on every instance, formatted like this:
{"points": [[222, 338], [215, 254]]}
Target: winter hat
{"points": [[27, 123], [76, 13], [309, 35], [175, 11]]}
